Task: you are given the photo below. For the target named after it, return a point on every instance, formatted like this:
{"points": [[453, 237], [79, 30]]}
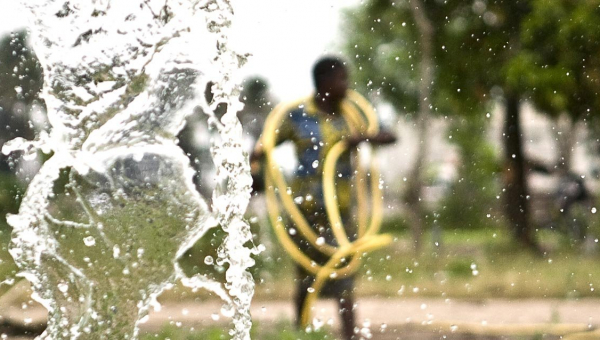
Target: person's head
{"points": [[330, 77]]}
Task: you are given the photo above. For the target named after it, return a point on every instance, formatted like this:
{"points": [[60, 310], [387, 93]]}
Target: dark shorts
{"points": [[317, 218], [331, 289]]}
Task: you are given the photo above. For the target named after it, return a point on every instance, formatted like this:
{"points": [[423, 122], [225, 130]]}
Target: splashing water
{"points": [[106, 218]]}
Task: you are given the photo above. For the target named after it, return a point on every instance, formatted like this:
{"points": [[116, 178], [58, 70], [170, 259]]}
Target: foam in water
{"points": [[106, 218]]}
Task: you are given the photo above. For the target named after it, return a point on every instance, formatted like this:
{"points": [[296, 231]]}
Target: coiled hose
{"points": [[279, 196]]}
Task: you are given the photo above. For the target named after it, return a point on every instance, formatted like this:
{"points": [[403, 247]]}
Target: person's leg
{"points": [[303, 282], [346, 306], [299, 302]]}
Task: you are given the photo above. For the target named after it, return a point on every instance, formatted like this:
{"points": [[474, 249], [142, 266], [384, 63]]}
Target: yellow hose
{"points": [[361, 199], [358, 113], [269, 142], [373, 242], [330, 196]]}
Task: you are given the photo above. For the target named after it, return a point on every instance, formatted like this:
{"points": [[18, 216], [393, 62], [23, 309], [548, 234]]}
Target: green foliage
{"points": [[194, 260], [557, 67], [18, 68], [471, 49], [394, 225], [471, 200], [478, 264], [177, 333], [384, 51], [460, 268], [20, 84], [11, 192]]}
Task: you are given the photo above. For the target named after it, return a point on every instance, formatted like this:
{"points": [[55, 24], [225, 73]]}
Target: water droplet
{"points": [[63, 287], [227, 310], [209, 260], [320, 241], [116, 251], [317, 324], [315, 164], [89, 241]]}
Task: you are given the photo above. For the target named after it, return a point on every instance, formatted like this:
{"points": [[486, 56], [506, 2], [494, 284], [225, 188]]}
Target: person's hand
{"points": [[257, 155], [354, 140], [382, 138]]}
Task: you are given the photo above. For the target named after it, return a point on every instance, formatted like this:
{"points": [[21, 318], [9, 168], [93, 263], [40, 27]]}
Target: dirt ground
{"points": [[389, 319]]}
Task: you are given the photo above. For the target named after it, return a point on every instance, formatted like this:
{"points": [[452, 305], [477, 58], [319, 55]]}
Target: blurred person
{"points": [[195, 140], [314, 128], [257, 104]]}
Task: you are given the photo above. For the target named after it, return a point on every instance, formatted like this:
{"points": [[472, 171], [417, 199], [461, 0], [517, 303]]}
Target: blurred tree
{"points": [[397, 63], [20, 83], [557, 67], [472, 201], [426, 77], [473, 42]]}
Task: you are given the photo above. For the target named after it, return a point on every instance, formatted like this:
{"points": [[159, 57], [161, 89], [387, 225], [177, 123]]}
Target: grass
{"points": [[480, 264], [8, 268], [279, 331], [471, 264]]}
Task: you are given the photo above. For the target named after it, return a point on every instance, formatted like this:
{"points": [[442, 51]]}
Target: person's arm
{"points": [[383, 137], [257, 157]]}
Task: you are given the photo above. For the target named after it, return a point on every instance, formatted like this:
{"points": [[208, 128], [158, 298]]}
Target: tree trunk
{"points": [[414, 199], [516, 191], [566, 138]]}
